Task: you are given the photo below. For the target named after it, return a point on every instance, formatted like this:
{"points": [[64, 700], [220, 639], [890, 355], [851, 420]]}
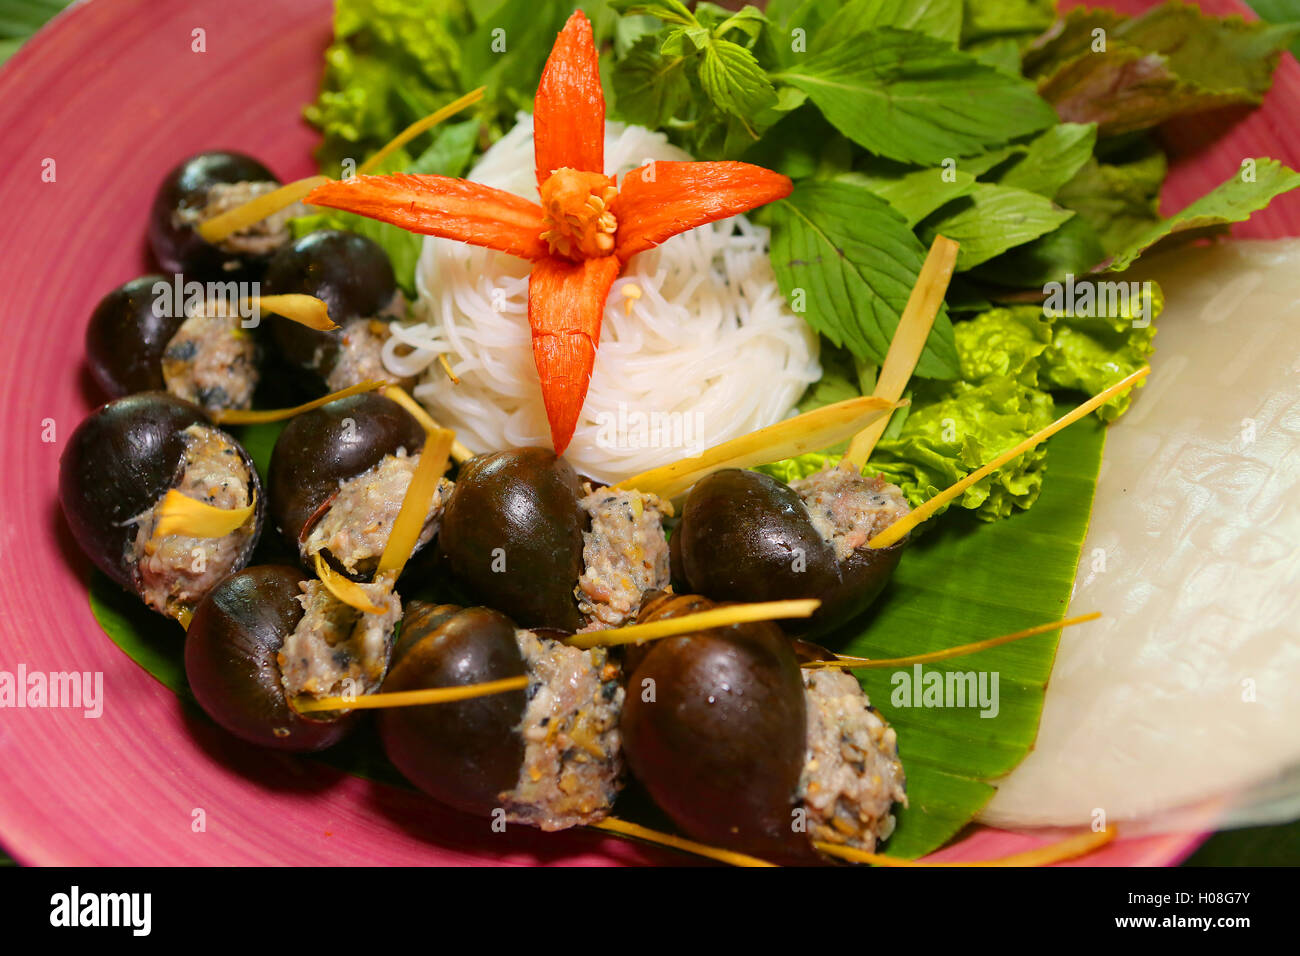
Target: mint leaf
{"points": [[669, 11], [733, 80], [1002, 53], [913, 192], [937, 18], [451, 151], [1120, 200], [984, 19], [1073, 248], [1221, 54], [850, 261], [650, 88], [1251, 189], [1052, 159], [1069, 37], [913, 98], [991, 219]]}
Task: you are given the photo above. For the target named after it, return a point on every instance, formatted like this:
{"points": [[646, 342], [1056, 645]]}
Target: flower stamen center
{"points": [[579, 224]]}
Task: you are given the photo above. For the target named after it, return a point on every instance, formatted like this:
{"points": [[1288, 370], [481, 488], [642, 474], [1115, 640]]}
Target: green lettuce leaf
{"points": [[1089, 354], [951, 435]]}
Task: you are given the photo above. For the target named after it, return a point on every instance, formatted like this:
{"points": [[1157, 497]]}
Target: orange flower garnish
{"points": [[584, 231], [579, 224]]}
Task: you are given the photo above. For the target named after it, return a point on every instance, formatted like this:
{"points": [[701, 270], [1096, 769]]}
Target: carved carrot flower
{"points": [[586, 228]]}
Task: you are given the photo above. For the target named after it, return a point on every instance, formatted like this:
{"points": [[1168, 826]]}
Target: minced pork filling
{"points": [[360, 356], [335, 643], [573, 757], [356, 526], [175, 572], [262, 237], [852, 776], [625, 554], [848, 508], [212, 360]]}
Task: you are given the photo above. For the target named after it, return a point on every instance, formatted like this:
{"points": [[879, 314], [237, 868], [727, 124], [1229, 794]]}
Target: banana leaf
{"points": [[962, 581]]}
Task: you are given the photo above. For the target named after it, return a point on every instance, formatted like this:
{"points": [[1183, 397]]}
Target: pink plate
{"points": [[112, 95]]}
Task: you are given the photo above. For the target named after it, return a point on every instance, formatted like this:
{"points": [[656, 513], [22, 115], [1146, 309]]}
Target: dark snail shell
{"points": [[230, 660], [118, 463], [125, 339], [349, 272], [745, 536], [517, 509], [466, 753], [176, 245], [333, 443], [720, 743]]}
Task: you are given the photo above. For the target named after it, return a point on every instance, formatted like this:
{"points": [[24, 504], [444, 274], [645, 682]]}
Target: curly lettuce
{"points": [[1012, 360]]}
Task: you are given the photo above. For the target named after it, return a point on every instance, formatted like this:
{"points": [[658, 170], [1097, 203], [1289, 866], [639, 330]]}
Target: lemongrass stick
{"points": [[637, 832], [804, 433], [181, 514], [698, 621], [345, 589], [1067, 849], [900, 528], [459, 452], [909, 341], [304, 309], [235, 416], [255, 210], [418, 127], [411, 698], [409, 523], [961, 650]]}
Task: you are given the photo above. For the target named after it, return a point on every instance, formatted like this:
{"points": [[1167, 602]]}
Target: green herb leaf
{"points": [[1120, 200], [914, 192], [937, 18], [733, 80], [649, 87], [991, 219], [847, 262], [1052, 159], [669, 11], [984, 19], [1251, 189], [1138, 72], [913, 98], [1073, 248]]}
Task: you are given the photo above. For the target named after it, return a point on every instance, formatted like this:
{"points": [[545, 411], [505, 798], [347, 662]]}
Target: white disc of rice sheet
{"points": [[1188, 689]]}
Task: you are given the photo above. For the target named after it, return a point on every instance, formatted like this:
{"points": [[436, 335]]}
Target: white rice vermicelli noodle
{"points": [[709, 350]]}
